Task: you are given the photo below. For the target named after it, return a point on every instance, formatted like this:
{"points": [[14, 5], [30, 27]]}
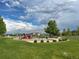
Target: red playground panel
{"points": [[27, 36]]}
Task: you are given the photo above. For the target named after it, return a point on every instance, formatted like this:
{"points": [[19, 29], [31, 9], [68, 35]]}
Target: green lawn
{"points": [[11, 49]]}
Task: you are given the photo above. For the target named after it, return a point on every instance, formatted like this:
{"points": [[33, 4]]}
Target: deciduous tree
{"points": [[52, 29], [2, 26]]}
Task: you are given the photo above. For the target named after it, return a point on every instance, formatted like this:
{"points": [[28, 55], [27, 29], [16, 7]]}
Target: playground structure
{"points": [[35, 37], [29, 38], [26, 36]]}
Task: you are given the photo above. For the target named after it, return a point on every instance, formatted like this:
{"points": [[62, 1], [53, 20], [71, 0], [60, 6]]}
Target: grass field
{"points": [[12, 49]]}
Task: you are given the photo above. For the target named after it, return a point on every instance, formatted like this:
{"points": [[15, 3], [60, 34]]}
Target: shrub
{"points": [[42, 41], [47, 41], [64, 39], [54, 40], [35, 41], [60, 40]]}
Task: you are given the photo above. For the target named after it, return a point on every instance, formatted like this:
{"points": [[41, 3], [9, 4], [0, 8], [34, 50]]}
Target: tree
{"points": [[2, 26], [69, 31], [77, 31], [52, 29], [64, 32]]}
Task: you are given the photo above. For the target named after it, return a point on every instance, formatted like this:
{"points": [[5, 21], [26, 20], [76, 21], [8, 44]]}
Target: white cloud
{"points": [[40, 6], [43, 10], [54, 9], [72, 0], [7, 4], [11, 3], [15, 3], [25, 17], [14, 26], [22, 17], [48, 9]]}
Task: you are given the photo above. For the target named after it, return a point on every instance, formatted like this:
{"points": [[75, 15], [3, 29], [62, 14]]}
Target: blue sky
{"points": [[33, 15]]}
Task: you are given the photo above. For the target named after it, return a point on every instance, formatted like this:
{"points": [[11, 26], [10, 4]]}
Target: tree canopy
{"points": [[78, 30], [52, 29], [2, 26]]}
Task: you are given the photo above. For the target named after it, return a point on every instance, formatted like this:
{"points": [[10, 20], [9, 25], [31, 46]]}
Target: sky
{"points": [[26, 16]]}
